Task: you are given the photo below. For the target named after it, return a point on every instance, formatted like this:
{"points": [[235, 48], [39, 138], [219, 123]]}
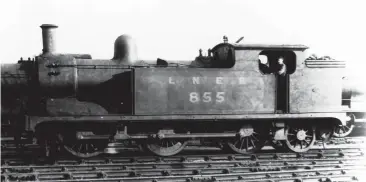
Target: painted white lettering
{"points": [[196, 80], [219, 80], [220, 97], [241, 80], [171, 80], [193, 97], [207, 97]]}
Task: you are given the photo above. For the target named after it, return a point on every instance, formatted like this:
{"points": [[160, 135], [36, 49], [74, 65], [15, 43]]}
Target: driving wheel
{"points": [[299, 138], [344, 130], [249, 140], [165, 147], [82, 148]]}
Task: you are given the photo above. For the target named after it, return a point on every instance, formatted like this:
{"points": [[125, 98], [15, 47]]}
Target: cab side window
{"points": [[264, 67], [277, 62]]}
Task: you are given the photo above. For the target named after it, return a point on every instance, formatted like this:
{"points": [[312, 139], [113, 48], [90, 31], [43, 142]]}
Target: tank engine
{"points": [[229, 97]]}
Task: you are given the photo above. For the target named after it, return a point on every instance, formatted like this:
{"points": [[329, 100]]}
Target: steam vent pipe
{"points": [[49, 38]]}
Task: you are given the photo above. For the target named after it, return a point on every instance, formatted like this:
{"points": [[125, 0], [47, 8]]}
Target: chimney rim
{"points": [[48, 26]]}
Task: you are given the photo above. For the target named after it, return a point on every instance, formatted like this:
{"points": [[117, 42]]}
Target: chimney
{"points": [[48, 36]]}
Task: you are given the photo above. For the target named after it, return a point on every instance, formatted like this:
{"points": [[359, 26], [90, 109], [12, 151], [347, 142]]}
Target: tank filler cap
{"points": [[125, 51]]}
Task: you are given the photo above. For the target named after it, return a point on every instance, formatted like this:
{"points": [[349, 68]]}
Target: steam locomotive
{"points": [[82, 104]]}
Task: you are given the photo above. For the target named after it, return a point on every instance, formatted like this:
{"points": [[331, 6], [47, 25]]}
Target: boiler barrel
{"points": [[14, 86], [13, 76]]}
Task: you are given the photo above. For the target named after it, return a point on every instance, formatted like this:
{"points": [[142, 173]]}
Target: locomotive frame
{"points": [[85, 104]]}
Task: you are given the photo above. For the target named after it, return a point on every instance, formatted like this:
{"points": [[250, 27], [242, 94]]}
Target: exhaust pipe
{"points": [[49, 38]]}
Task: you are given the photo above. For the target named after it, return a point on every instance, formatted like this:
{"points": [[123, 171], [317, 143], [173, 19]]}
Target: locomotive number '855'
{"points": [[207, 97]]}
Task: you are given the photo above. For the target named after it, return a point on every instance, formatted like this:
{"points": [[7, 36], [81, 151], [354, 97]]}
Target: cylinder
{"points": [[49, 38]]}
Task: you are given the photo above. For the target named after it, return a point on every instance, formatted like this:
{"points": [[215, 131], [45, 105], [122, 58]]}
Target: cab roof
{"points": [[265, 46], [271, 46]]}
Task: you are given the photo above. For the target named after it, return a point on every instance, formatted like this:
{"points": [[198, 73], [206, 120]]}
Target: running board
{"points": [[360, 120], [122, 136]]}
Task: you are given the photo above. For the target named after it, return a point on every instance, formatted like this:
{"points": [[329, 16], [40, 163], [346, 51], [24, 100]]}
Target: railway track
{"points": [[10, 149], [340, 160], [315, 164]]}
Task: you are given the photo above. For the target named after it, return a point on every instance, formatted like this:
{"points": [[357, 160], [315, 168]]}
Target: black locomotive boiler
{"points": [[233, 96]]}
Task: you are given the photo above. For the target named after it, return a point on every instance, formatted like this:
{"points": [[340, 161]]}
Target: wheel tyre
{"points": [[163, 151]]}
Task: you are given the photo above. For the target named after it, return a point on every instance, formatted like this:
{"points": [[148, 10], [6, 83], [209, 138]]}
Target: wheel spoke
{"points": [[236, 142], [241, 144], [308, 136], [252, 143], [295, 143], [346, 126], [255, 138], [246, 142], [292, 140], [338, 129]]}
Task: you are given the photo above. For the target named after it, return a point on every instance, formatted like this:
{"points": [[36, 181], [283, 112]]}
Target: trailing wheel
{"points": [[344, 130], [299, 138], [250, 139], [81, 148]]}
